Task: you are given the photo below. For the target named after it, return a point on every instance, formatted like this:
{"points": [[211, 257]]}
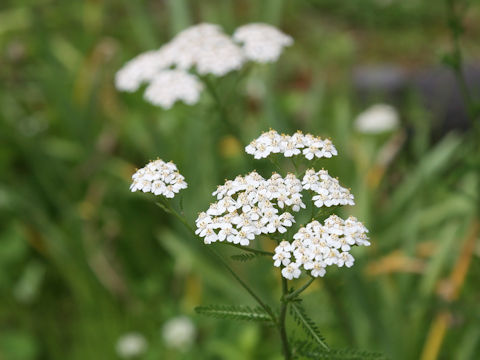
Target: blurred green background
{"points": [[84, 261]]}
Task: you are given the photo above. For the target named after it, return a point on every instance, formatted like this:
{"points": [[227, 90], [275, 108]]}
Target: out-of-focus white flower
{"points": [[131, 345], [249, 206], [141, 69], [206, 48], [317, 246], [377, 119], [272, 142], [179, 333], [159, 178], [169, 86], [262, 42], [329, 191]]}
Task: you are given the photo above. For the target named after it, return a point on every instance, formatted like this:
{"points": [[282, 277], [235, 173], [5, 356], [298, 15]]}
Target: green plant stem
{"points": [[244, 248], [165, 205], [246, 287], [297, 292], [281, 322]]}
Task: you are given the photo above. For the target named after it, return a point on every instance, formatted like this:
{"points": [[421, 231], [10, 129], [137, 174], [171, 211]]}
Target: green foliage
{"points": [[311, 329], [308, 350], [234, 312]]}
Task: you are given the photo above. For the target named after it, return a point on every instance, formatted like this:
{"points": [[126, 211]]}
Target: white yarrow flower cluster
{"points": [[169, 86], [272, 142], [159, 178], [317, 246], [204, 48], [262, 42], [249, 206], [328, 190], [141, 69]]}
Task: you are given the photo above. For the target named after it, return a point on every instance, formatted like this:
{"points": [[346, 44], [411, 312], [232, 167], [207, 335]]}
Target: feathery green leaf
{"points": [[309, 350], [244, 257], [234, 312], [300, 315]]}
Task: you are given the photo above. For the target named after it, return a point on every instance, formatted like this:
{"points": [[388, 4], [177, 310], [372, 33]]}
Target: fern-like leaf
{"points": [[234, 312], [312, 351], [300, 315], [244, 257]]}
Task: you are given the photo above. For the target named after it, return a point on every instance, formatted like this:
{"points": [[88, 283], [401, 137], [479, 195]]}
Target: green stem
{"points": [[246, 287], [297, 292], [244, 248], [165, 205], [281, 322], [168, 208]]}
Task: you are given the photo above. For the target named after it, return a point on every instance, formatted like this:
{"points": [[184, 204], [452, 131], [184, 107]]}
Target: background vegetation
{"points": [[83, 261]]}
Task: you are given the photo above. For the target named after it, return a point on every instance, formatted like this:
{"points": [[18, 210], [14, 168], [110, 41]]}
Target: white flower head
{"points": [[249, 206], [328, 190], [179, 333], [206, 48], [262, 43], [169, 86], [377, 119], [272, 142], [131, 345], [140, 69], [317, 246], [159, 178]]}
